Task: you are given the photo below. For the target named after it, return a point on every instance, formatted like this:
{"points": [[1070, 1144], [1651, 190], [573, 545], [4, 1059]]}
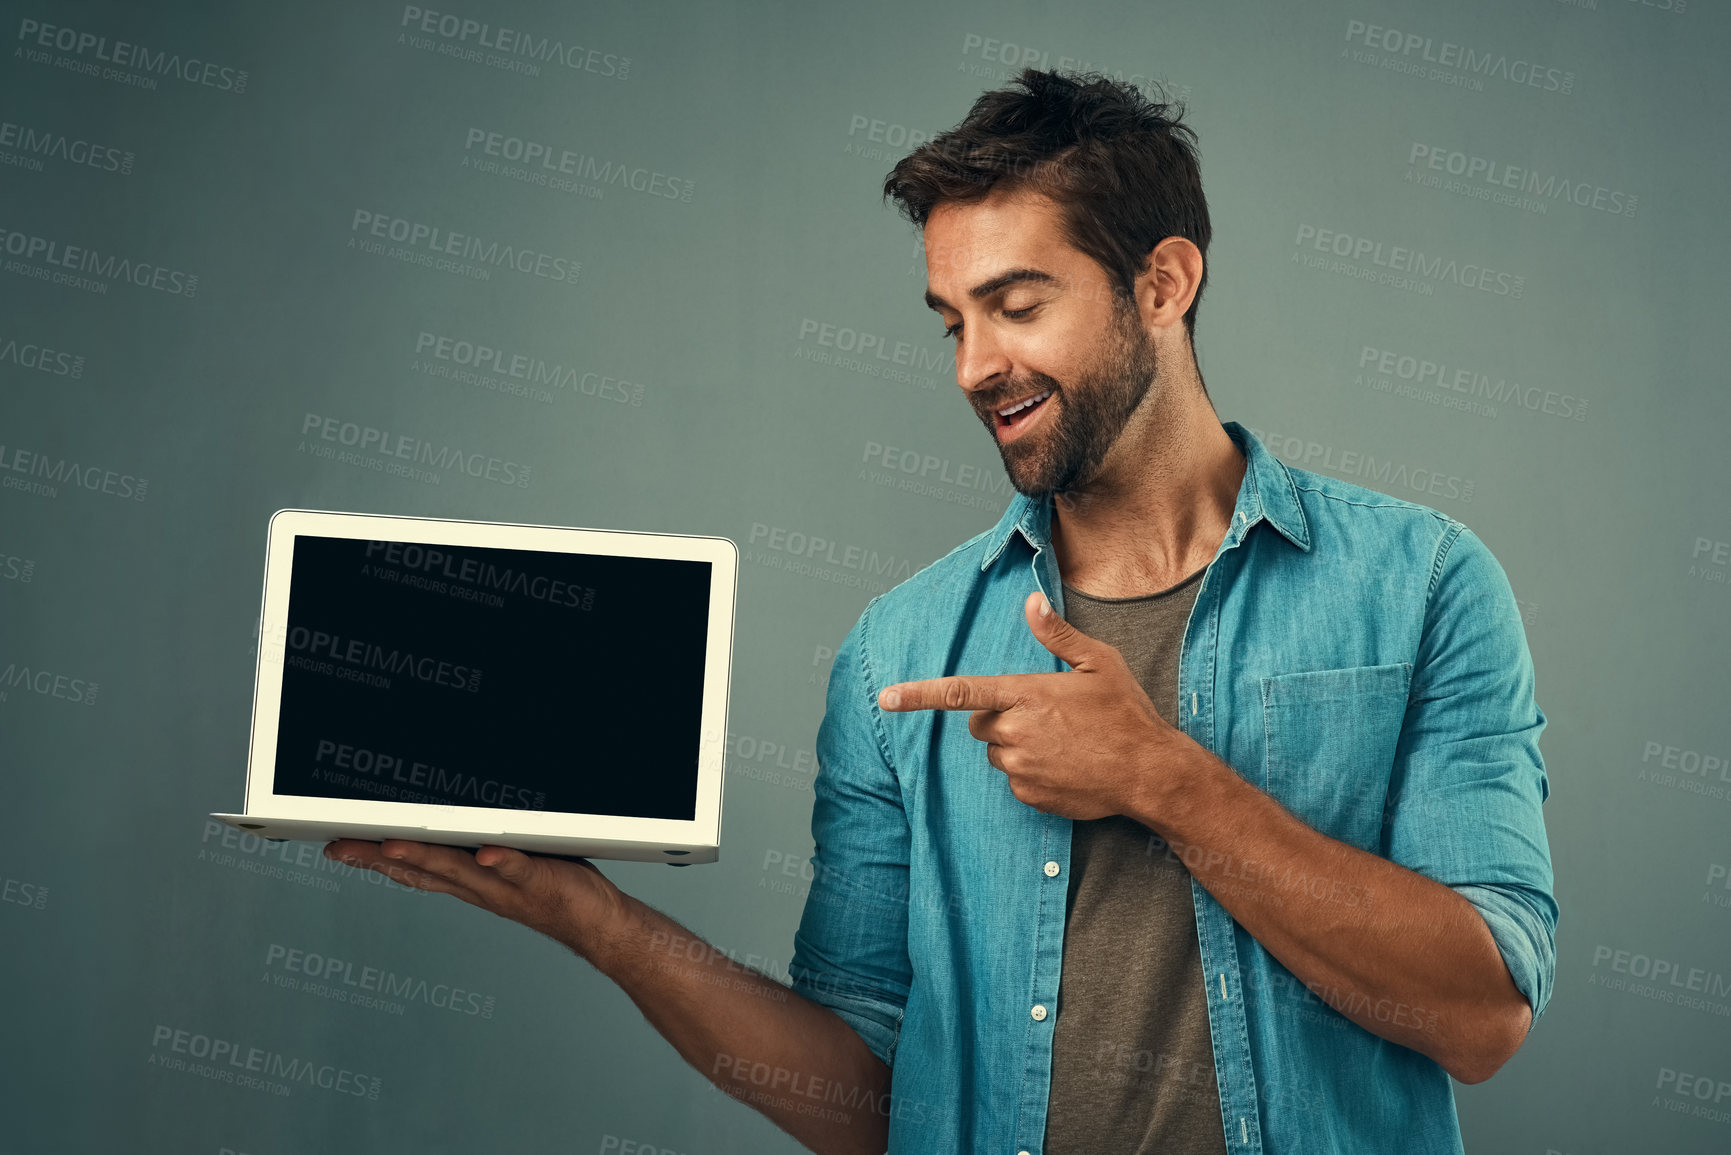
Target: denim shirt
{"points": [[1358, 657]]}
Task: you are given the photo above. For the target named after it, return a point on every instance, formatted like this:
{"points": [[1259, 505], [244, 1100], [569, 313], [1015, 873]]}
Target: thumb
{"points": [[1060, 637]]}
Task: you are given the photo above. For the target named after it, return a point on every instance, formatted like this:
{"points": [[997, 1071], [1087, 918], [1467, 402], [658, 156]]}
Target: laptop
{"points": [[554, 689]]}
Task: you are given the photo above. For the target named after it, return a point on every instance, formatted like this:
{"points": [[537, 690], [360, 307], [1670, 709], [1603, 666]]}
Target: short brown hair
{"points": [[1121, 167]]}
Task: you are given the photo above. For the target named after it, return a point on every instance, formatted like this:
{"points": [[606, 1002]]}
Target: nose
{"points": [[981, 359]]}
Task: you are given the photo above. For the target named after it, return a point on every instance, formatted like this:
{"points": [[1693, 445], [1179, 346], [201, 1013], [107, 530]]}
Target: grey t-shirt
{"points": [[1132, 1060]]}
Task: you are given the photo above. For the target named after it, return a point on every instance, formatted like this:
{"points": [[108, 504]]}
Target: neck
{"points": [[1160, 504]]}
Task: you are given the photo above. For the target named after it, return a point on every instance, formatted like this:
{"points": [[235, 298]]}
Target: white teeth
{"points": [[1021, 405]]}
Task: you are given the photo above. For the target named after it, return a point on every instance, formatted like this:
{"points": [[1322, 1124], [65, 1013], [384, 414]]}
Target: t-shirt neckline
{"points": [[1069, 590]]}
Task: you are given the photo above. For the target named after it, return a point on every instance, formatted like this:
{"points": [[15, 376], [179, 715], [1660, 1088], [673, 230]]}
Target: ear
{"points": [[1171, 277]]}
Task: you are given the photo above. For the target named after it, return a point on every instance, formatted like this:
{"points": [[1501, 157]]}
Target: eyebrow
{"points": [[996, 285]]}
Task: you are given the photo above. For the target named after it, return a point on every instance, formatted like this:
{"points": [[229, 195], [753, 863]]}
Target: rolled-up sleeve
{"points": [[1468, 782], [850, 952]]}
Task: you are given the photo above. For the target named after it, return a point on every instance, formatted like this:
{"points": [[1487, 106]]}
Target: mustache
{"points": [[1014, 390]]}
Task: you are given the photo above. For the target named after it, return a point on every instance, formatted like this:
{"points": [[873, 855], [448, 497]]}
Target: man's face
{"points": [[1036, 319]]}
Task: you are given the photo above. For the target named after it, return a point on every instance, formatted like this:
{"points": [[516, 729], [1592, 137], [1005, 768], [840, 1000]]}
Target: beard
{"points": [[1091, 412]]}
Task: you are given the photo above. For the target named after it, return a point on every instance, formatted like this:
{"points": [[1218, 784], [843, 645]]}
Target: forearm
{"points": [[1401, 955], [791, 1059]]}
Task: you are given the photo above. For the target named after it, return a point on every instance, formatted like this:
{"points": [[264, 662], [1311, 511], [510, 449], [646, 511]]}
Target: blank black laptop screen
{"points": [[510, 678]]}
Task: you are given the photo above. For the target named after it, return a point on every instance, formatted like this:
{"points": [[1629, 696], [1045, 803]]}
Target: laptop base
{"points": [[320, 830]]}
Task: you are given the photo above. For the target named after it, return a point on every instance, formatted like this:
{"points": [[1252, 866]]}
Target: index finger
{"points": [[956, 692]]}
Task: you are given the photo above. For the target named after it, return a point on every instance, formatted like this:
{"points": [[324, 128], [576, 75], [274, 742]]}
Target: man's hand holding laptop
{"points": [[568, 900]]}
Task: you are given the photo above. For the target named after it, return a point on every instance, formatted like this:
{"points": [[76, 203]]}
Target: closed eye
{"points": [[1012, 314]]}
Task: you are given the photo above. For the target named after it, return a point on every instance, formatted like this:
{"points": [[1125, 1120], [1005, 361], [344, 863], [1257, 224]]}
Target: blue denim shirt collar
{"points": [[1266, 494]]}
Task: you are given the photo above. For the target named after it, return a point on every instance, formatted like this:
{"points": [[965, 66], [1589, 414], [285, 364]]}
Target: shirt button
{"points": [[1039, 1012], [1021, 1153], [1051, 870]]}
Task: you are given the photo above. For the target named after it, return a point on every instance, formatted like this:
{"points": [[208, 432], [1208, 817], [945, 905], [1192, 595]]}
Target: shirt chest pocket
{"points": [[1329, 743]]}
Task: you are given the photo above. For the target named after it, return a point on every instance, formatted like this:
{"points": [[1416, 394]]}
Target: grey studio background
{"points": [[1468, 254]]}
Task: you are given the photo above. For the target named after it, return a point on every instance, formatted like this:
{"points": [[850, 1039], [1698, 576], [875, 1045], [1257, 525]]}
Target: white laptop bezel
{"points": [[702, 830]]}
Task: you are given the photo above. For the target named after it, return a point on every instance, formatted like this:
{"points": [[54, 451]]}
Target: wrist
{"points": [[1176, 781], [601, 933]]}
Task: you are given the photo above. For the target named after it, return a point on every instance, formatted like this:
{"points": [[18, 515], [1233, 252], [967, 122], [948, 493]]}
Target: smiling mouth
{"points": [[1013, 416]]}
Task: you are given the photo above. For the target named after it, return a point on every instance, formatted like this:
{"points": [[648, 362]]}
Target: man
{"points": [[1194, 806]]}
